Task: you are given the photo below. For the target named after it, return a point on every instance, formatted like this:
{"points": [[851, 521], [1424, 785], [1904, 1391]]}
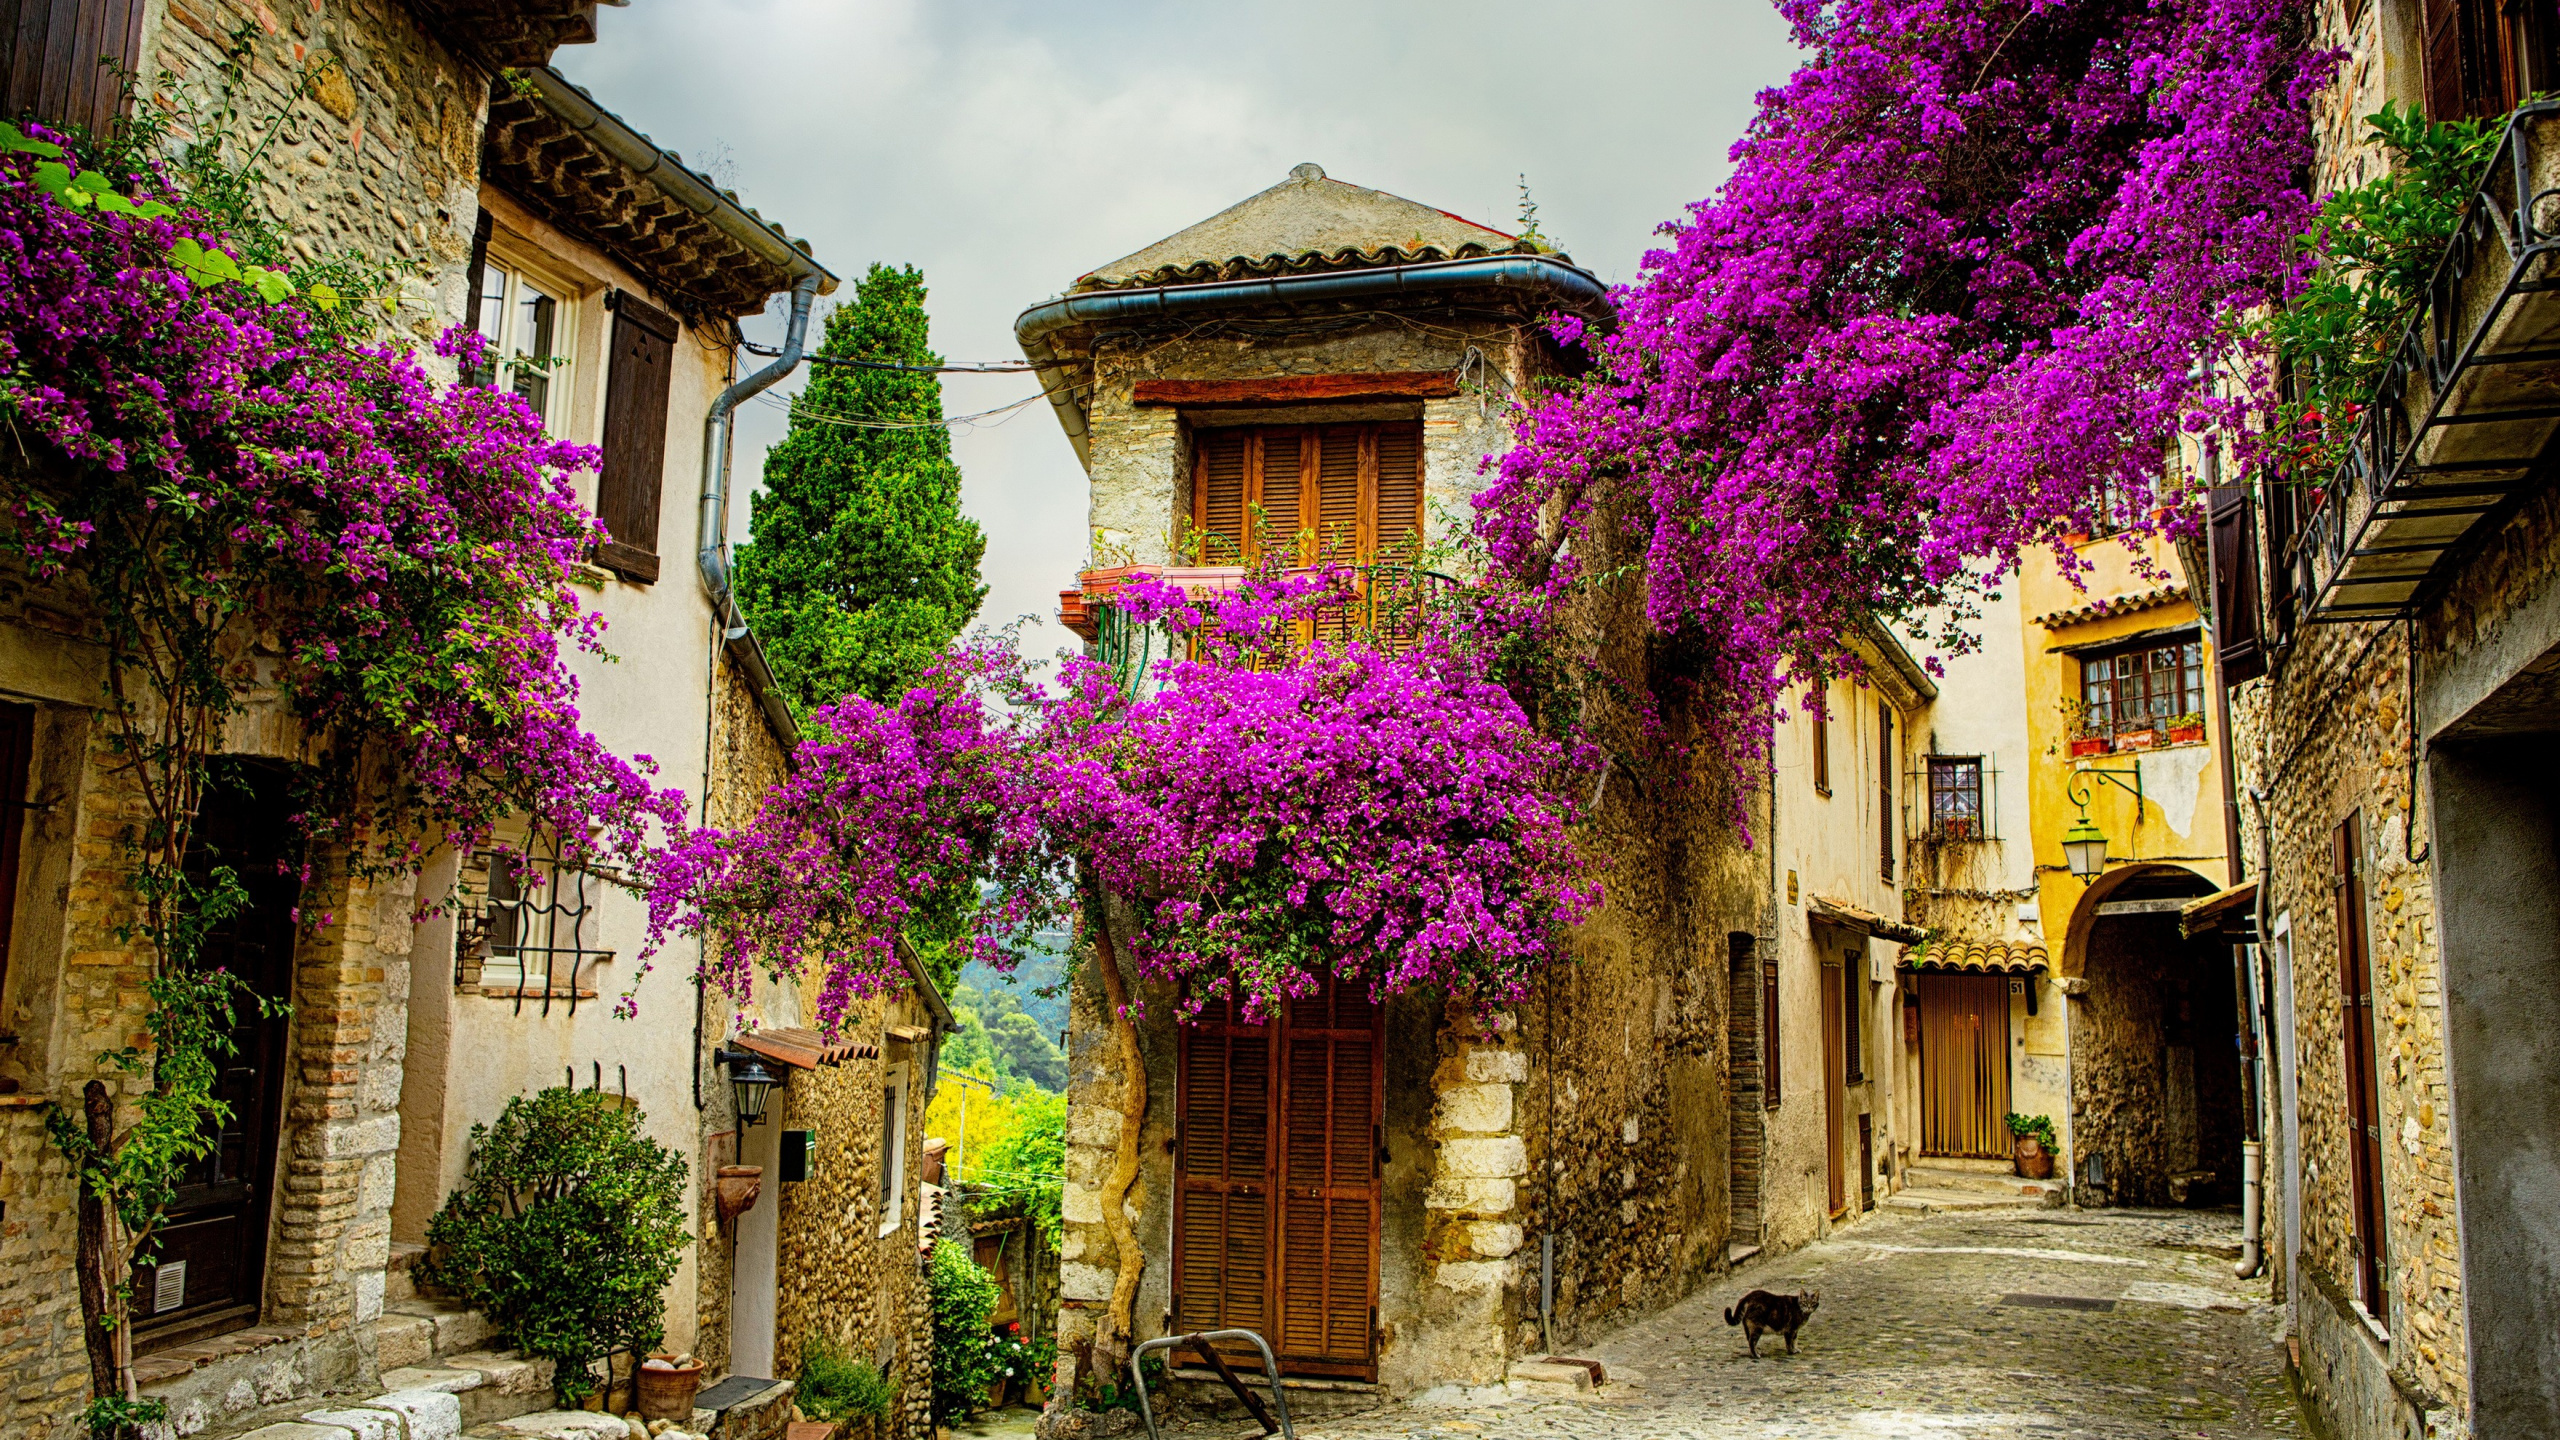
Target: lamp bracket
{"points": [[2127, 778]]}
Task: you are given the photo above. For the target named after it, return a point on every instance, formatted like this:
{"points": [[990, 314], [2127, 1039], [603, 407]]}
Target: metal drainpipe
{"points": [[711, 562], [2243, 962]]}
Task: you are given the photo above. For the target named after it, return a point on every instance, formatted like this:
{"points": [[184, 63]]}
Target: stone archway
{"points": [[2155, 1078]]}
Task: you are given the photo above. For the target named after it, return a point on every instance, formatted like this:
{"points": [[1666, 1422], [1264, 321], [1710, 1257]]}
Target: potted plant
{"points": [[565, 1232], [2135, 739], [665, 1386], [2187, 729], [2092, 744], [836, 1388], [2033, 1135]]}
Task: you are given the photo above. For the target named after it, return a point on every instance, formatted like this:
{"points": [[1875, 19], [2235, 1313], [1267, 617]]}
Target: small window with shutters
{"points": [[639, 361], [1277, 1191], [1770, 1069], [60, 60], [1318, 494], [1853, 995]]}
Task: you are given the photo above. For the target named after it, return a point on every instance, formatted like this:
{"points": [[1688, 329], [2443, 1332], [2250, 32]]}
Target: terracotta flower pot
{"points": [[2134, 740], [2089, 745], [2034, 1161], [735, 1188], [668, 1394], [2186, 734]]}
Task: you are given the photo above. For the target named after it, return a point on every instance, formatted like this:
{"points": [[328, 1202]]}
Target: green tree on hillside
{"points": [[861, 565]]}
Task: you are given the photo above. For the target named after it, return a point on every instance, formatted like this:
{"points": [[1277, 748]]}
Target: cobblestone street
{"points": [[1941, 1326]]}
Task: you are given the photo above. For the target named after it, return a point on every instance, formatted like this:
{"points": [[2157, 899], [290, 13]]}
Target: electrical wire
{"points": [[874, 422], [972, 367]]}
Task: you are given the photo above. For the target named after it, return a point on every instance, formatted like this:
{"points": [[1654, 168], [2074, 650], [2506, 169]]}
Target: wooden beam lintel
{"points": [[1300, 389]]}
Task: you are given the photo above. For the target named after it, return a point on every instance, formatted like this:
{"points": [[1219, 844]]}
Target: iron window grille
{"points": [[525, 935]]}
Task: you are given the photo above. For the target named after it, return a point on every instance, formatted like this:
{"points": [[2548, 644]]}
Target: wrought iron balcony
{"points": [[1390, 607], [2467, 407]]}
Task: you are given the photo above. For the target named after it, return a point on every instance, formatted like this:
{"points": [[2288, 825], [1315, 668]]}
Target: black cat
{"points": [[1761, 1312]]}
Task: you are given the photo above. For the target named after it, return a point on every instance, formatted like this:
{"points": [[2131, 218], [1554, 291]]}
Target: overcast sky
{"points": [[1005, 147]]}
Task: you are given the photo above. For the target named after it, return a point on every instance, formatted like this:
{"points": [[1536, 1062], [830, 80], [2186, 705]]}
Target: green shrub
{"points": [[2039, 1126], [835, 1386], [965, 1362], [565, 1231], [1029, 1161]]}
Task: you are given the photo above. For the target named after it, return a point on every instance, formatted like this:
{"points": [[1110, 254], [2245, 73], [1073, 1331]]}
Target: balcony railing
{"points": [[1391, 607], [2467, 406]]}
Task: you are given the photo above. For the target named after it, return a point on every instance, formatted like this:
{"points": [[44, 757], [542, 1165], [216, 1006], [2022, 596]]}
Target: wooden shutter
{"points": [[2238, 645], [1853, 989], [1218, 496], [1332, 1102], [1277, 489], [1884, 788], [1835, 1080], [2364, 1106], [1770, 1069], [1821, 753], [17, 748], [1337, 514], [637, 375], [49, 60], [1400, 519], [1222, 1183]]}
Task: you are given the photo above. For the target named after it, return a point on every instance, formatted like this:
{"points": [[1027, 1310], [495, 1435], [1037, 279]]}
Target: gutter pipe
{"points": [[2244, 958], [1574, 288]]}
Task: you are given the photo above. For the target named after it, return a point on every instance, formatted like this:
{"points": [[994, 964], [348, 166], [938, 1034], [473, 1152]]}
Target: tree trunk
{"points": [[95, 1298], [1116, 1334]]}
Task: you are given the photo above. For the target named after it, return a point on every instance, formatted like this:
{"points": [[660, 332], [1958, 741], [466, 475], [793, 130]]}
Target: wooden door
{"points": [[1276, 1208], [212, 1254], [1964, 1065], [1835, 1090], [2364, 1100]]}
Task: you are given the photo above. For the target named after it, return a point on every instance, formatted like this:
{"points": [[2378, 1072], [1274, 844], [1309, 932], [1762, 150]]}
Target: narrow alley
{"points": [[2104, 1324]]}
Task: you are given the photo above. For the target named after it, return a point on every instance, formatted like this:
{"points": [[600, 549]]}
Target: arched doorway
{"points": [[2155, 1076]]}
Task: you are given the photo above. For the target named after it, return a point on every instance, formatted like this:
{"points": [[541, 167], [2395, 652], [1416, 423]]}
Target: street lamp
{"points": [[751, 1082], [2084, 845]]}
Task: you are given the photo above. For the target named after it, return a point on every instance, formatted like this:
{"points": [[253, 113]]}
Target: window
{"points": [[1821, 753], [530, 938], [2364, 1101], [1955, 798], [893, 1150], [1853, 994], [527, 330], [1884, 788], [1343, 493], [2141, 689], [1770, 1069], [639, 364], [2484, 57]]}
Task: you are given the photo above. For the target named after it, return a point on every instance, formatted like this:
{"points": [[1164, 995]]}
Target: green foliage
{"points": [[1114, 1392], [111, 1416], [965, 1361], [2038, 1126], [1029, 1161], [2379, 244], [568, 1224], [998, 1034], [835, 1386], [861, 567]]}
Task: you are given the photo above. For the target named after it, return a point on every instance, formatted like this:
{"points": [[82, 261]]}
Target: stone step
{"points": [[1921, 1200], [398, 1283], [1937, 1175], [416, 1330]]}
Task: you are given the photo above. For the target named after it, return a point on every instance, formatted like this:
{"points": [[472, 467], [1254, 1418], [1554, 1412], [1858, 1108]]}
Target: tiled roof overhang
{"points": [[2113, 606], [1313, 262], [1978, 957], [511, 34], [805, 1049], [1848, 916], [581, 169], [2231, 911]]}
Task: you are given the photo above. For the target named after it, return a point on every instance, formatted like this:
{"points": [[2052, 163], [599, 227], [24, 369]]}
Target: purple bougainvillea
{"points": [[1977, 266]]}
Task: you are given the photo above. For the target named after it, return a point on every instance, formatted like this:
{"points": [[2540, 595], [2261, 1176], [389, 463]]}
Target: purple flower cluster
{"points": [[401, 549], [1977, 267], [1272, 814]]}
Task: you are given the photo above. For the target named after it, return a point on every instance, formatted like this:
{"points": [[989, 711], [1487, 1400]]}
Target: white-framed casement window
{"points": [[893, 1150], [530, 323]]}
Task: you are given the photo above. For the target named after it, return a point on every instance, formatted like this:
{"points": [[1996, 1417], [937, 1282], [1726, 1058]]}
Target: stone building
{"points": [[2388, 630], [1338, 356]]}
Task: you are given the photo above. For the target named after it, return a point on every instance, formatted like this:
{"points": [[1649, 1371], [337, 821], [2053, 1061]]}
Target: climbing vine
{"points": [[252, 500]]}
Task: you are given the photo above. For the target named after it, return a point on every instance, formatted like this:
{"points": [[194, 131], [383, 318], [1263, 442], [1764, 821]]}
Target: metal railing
{"points": [[2416, 512], [1392, 606]]}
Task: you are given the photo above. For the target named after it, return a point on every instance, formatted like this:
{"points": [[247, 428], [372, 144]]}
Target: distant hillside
{"points": [[1041, 971]]}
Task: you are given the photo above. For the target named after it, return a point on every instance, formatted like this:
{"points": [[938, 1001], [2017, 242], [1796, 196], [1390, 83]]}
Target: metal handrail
{"points": [[1205, 1342]]}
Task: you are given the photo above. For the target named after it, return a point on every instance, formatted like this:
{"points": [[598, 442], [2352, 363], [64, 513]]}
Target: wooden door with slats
{"points": [[1964, 1066], [1278, 1190], [1835, 1095]]}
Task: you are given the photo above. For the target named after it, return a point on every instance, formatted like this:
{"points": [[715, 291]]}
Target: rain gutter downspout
{"points": [[1573, 287]]}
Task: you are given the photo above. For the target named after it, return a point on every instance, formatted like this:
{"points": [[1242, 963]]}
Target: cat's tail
{"points": [[1733, 1316]]}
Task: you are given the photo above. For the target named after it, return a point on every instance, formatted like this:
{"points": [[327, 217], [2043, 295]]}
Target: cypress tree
{"points": [[861, 565]]}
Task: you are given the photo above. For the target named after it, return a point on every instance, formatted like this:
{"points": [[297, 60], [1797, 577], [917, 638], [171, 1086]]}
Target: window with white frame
{"points": [[893, 1150], [528, 325]]}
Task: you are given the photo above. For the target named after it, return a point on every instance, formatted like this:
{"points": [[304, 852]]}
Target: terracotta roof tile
{"points": [[1980, 957], [2111, 606]]}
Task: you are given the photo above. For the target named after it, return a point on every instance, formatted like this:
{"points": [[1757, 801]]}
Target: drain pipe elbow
{"points": [[2252, 1254], [719, 431]]}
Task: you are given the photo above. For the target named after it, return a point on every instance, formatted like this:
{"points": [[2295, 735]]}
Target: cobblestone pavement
{"points": [[1928, 1328]]}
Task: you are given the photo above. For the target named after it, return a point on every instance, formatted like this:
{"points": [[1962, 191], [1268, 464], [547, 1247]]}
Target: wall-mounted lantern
{"points": [[752, 1081], [2084, 845]]}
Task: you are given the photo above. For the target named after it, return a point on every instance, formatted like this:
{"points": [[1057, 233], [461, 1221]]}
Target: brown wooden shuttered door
{"points": [[1222, 1204], [2364, 1102], [2239, 653], [49, 59], [1342, 494], [1276, 1215], [637, 375], [1964, 1065]]}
